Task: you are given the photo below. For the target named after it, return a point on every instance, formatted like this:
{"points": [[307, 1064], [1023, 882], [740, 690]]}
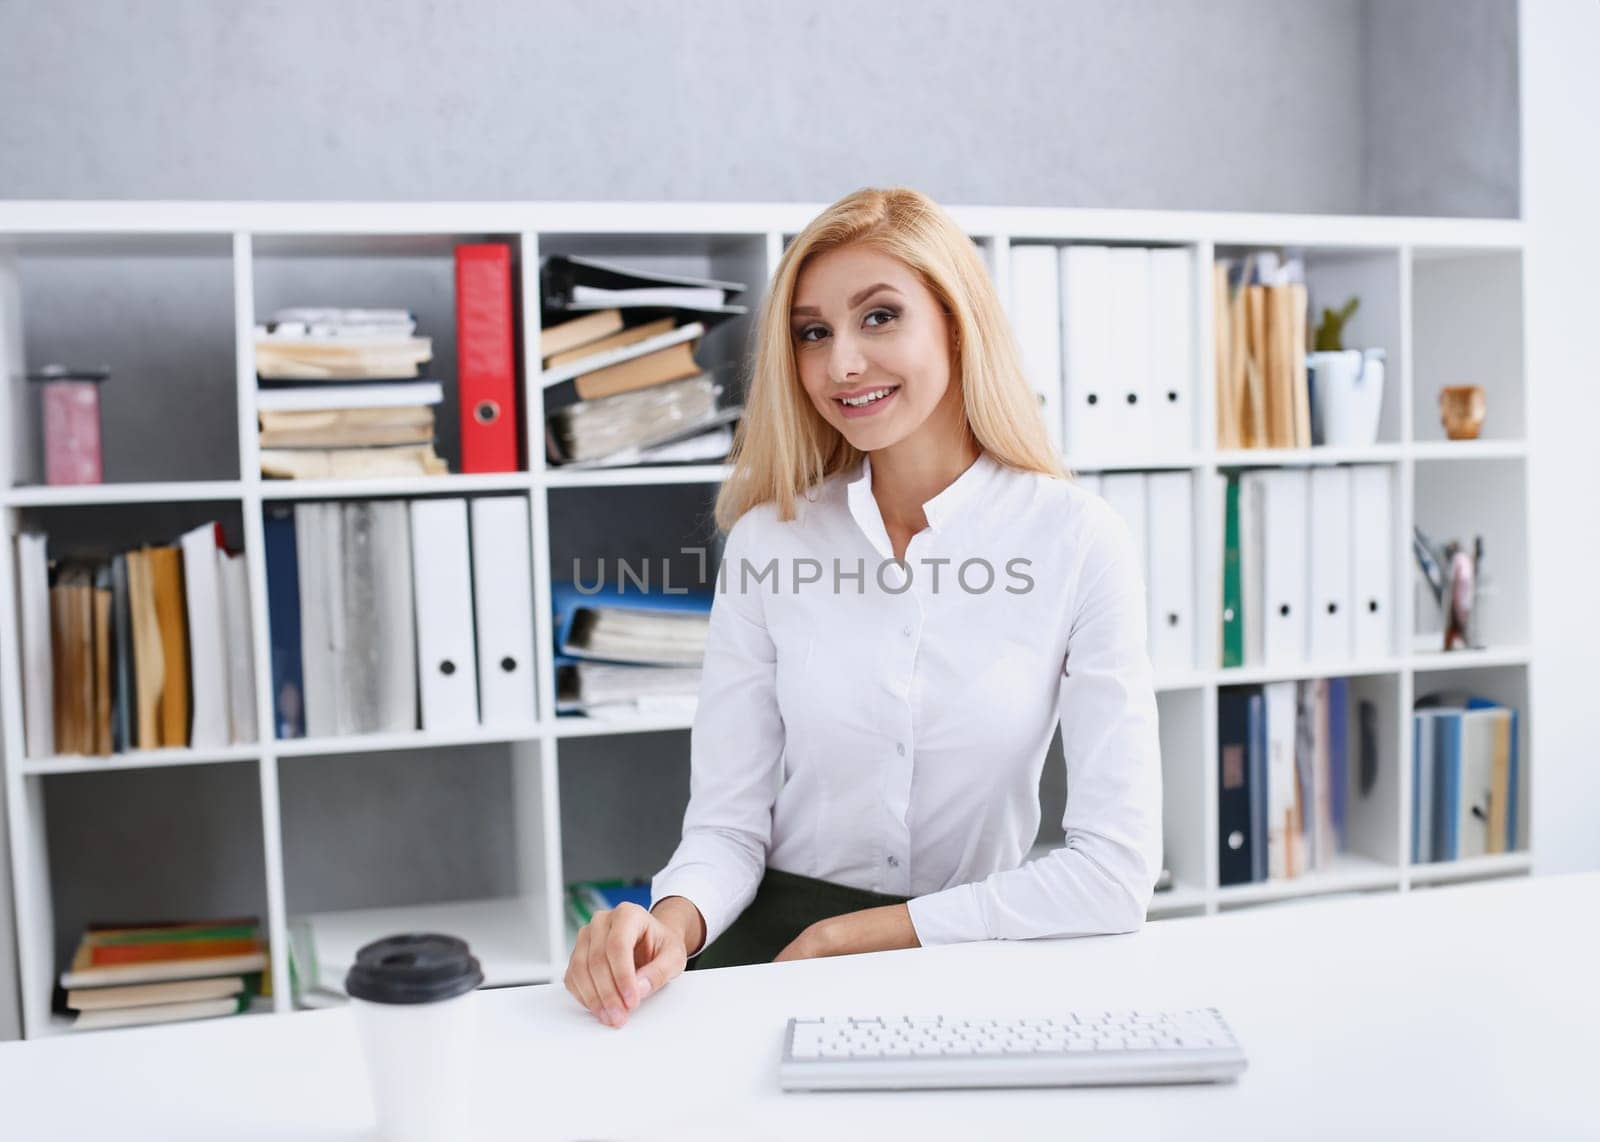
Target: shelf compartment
{"points": [[1467, 330], [1459, 499], [1350, 872], [163, 324], [455, 840]]}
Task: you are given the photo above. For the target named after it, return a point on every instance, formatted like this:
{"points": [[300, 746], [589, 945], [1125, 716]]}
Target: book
{"points": [[302, 398], [600, 369], [569, 335], [100, 1020], [614, 339], [352, 463], [586, 897], [604, 687], [147, 994], [165, 567], [124, 954]]}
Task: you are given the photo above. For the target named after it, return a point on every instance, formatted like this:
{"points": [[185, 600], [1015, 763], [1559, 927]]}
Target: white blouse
{"points": [[884, 725]]}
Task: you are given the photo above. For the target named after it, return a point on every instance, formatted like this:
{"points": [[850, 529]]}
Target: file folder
{"points": [[1170, 527], [1284, 579], [38, 676], [1331, 629], [1125, 492], [486, 366], [1085, 347], [1036, 317], [1172, 349], [1129, 421], [1372, 561], [503, 599], [447, 662]]}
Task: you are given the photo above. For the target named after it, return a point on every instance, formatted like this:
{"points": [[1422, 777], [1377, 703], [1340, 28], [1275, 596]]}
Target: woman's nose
{"points": [[846, 362]]}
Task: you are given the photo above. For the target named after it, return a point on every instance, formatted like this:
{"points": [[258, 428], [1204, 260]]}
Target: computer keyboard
{"points": [[1081, 1048]]}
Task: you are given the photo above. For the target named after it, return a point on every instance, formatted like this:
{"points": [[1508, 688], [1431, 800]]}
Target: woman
{"points": [[912, 592]]}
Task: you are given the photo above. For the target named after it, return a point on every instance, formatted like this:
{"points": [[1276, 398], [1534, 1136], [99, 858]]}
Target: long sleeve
{"points": [[1102, 879], [735, 753]]}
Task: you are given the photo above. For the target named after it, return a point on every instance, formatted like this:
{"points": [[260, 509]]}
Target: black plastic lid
{"points": [[417, 967]]}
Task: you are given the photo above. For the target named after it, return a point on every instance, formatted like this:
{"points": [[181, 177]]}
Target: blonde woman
{"points": [[912, 592]]}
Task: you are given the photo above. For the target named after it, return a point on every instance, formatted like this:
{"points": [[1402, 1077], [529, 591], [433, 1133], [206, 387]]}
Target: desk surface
{"points": [[1463, 1012]]}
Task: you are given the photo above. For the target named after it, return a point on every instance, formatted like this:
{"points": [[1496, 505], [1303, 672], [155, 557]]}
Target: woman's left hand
{"points": [[870, 930]]}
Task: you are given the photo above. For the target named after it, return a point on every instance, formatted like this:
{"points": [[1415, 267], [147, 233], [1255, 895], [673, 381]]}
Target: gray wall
{"points": [[1316, 105], [1344, 106]]}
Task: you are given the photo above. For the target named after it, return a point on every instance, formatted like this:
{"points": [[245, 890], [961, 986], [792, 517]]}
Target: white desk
{"points": [[1456, 1012]]}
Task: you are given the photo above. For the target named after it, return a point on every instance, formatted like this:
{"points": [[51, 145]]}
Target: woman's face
{"points": [[862, 322]]}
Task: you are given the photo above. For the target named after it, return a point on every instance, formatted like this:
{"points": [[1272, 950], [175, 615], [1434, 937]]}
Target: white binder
{"points": [[1125, 492], [1372, 576], [1170, 527], [502, 578], [1284, 577], [1036, 317], [447, 661], [38, 674], [1172, 342], [1085, 347], [1252, 505], [1331, 631], [320, 562], [1129, 422], [208, 649]]}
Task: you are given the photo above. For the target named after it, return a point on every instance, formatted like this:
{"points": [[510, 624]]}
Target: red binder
{"points": [[486, 375]]}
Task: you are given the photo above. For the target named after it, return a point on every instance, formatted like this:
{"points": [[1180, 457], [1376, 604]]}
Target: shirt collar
{"points": [[940, 510]]}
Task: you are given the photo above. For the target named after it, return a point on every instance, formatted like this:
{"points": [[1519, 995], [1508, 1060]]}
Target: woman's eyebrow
{"points": [[854, 301]]}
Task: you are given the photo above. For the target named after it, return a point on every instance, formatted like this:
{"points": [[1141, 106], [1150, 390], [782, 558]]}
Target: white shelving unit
{"points": [[1423, 284]]}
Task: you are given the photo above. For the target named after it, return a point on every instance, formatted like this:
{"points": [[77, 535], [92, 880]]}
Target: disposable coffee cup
{"points": [[415, 1005]]}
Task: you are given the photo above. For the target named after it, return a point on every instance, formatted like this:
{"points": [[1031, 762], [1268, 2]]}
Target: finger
{"points": [[580, 982], [667, 966], [628, 925], [605, 984]]}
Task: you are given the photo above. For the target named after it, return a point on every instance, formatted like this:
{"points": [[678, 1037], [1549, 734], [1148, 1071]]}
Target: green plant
{"points": [[1330, 330]]}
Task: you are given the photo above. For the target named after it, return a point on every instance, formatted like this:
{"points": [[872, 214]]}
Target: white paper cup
{"points": [[415, 1004]]}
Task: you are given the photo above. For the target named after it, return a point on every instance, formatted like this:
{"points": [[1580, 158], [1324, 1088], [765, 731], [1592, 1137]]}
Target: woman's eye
{"points": [[802, 335], [887, 313]]}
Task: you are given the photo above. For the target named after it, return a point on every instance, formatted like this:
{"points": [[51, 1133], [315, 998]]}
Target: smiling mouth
{"points": [[867, 398]]}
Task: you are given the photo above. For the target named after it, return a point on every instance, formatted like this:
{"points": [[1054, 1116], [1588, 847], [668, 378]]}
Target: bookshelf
{"points": [[1444, 297]]}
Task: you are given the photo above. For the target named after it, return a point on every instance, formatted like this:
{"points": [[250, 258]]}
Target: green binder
{"points": [[1232, 588]]}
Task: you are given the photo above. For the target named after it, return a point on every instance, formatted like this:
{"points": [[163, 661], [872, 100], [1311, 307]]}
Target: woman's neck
{"points": [[909, 474]]}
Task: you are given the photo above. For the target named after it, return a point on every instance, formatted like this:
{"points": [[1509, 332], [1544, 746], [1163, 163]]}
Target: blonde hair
{"points": [[783, 446]]}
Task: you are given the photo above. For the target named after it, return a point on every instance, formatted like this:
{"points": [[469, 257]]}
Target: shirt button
{"points": [[894, 862], [900, 748], [906, 631]]}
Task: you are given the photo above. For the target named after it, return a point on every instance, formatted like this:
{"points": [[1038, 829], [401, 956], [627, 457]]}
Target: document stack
{"points": [[129, 975], [1465, 764], [1289, 769], [1107, 336], [1263, 394], [628, 653], [147, 649], [1307, 566], [621, 381], [321, 415], [387, 615]]}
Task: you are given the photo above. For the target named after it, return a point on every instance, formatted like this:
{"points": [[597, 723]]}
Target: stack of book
{"points": [[1286, 777], [315, 427], [124, 975], [1263, 393], [628, 653], [621, 382], [1464, 774], [148, 649]]}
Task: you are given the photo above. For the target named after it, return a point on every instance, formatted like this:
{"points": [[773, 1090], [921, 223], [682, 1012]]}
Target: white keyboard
{"points": [[899, 1052]]}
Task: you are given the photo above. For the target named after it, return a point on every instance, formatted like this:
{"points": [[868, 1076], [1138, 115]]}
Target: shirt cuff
{"points": [[952, 916], [697, 891]]}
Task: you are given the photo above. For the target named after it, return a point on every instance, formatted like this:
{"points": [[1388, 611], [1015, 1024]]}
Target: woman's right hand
{"points": [[624, 955]]}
